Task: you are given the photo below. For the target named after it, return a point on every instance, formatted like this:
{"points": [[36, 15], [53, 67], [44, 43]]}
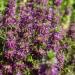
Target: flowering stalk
{"points": [[36, 41], [58, 2], [57, 36], [9, 18]]}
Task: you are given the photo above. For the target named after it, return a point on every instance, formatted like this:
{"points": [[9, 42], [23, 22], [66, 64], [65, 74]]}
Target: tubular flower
{"points": [[18, 73], [8, 69], [11, 8], [1, 72], [9, 18], [57, 2], [54, 70]]}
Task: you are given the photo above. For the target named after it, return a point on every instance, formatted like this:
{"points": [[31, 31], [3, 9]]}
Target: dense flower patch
{"points": [[33, 37]]}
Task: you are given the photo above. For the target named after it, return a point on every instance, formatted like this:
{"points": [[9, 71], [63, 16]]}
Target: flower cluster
{"points": [[32, 46], [57, 2]]}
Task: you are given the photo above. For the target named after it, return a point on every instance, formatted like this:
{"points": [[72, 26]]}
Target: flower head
{"points": [[57, 2]]}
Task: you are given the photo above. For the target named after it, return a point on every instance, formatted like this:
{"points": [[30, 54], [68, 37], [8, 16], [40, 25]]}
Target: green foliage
{"points": [[33, 61], [69, 57], [2, 39], [3, 4], [58, 29], [27, 72], [29, 58], [2, 34], [50, 54]]}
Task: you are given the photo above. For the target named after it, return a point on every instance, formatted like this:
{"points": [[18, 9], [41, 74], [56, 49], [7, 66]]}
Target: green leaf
{"points": [[3, 4], [2, 34], [29, 58], [57, 29], [50, 54], [27, 71]]}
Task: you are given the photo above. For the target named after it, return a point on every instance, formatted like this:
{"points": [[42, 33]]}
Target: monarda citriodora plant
{"points": [[33, 38]]}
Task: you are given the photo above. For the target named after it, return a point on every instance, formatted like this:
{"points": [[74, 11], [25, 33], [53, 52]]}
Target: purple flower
{"points": [[11, 43], [1, 72], [50, 15], [57, 2], [8, 68], [9, 18], [11, 9], [45, 2], [20, 54], [43, 68], [10, 34], [18, 73], [57, 36], [20, 65], [10, 54], [10, 21], [56, 46], [60, 58], [54, 70]]}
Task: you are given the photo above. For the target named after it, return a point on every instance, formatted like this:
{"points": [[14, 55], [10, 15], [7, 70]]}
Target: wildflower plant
{"points": [[34, 31]]}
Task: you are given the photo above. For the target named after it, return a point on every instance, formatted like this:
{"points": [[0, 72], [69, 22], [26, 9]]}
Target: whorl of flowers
{"points": [[34, 45], [10, 12], [57, 2]]}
